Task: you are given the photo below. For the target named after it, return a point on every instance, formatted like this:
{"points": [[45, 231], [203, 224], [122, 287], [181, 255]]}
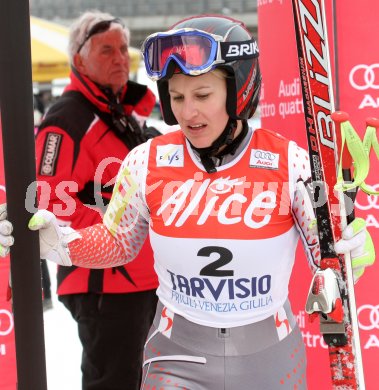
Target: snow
{"points": [[63, 348]]}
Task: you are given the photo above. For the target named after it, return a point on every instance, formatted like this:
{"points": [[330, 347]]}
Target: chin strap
{"points": [[226, 138], [232, 147]]}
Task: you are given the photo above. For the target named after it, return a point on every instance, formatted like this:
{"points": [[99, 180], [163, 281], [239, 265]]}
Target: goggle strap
{"points": [[243, 50]]}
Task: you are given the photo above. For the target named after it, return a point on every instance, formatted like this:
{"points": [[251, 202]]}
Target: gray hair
{"points": [[79, 29]]}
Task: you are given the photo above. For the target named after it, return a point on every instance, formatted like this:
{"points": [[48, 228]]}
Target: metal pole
{"points": [[16, 107]]}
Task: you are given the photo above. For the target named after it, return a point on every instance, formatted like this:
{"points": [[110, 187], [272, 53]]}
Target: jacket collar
{"points": [[100, 97]]}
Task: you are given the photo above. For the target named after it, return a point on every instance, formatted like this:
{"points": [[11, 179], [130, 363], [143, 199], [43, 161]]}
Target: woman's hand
{"points": [[53, 239], [357, 241]]}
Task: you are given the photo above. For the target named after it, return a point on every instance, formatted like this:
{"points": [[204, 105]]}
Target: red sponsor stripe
{"points": [[241, 100]]}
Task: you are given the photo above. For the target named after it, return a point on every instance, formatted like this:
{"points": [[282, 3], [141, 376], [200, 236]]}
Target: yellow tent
{"points": [[49, 51]]}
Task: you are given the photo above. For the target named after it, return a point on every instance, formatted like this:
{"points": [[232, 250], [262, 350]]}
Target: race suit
{"points": [[224, 247]]}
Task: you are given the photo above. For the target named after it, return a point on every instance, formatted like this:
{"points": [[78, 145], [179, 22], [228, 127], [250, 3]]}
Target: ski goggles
{"points": [[98, 28], [194, 51]]}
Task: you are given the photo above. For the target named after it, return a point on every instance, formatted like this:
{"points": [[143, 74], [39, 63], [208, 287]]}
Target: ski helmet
{"points": [[199, 44]]}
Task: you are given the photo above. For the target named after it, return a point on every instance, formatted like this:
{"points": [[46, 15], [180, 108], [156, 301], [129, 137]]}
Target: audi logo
{"points": [[368, 317], [264, 155], [369, 201], [364, 76]]}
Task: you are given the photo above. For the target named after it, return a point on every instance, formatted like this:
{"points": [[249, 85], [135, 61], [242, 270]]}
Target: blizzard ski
{"points": [[331, 296]]}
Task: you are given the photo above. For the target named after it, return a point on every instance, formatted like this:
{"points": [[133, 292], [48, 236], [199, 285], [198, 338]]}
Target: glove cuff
{"points": [[69, 235]]}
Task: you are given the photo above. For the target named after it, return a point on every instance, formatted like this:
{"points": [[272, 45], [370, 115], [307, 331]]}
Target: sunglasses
{"points": [[98, 28]]}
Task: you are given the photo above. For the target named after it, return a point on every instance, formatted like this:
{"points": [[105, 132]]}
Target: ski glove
{"points": [[6, 228], [53, 239], [357, 241]]}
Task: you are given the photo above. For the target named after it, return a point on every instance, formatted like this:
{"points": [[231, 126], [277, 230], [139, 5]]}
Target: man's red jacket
{"points": [[78, 157]]}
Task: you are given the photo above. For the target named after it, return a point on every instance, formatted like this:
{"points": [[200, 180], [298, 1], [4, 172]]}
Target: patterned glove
{"points": [[53, 239], [357, 241]]}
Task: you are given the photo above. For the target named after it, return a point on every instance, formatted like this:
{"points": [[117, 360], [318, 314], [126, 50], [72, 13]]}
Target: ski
{"points": [[331, 296], [16, 102]]}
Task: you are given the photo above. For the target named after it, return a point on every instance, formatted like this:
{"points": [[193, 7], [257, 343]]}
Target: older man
{"points": [[80, 144]]}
